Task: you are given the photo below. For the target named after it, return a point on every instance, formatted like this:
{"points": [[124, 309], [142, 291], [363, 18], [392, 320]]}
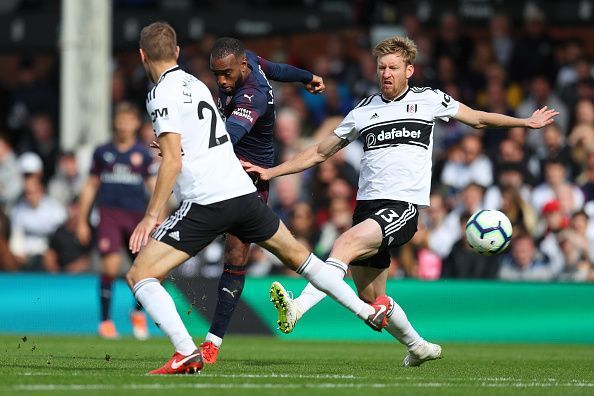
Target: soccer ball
{"points": [[488, 232]]}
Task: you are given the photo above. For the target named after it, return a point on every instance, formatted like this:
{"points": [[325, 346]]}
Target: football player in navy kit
{"points": [[396, 125], [122, 172], [246, 101]]}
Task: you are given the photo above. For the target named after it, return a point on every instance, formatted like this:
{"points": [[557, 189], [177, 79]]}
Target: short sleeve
{"points": [[96, 163], [150, 166], [347, 130], [443, 105], [164, 114]]}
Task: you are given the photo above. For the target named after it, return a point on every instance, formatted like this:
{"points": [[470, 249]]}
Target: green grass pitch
{"points": [[68, 365]]}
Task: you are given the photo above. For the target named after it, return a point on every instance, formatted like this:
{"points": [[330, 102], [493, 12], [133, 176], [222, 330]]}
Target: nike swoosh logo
{"points": [[175, 364], [378, 313]]}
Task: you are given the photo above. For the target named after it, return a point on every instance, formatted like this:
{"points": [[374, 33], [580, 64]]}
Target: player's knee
{"points": [[236, 256], [131, 278]]}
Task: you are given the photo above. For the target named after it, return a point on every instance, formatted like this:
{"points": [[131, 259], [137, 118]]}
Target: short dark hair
{"points": [[226, 46], [159, 41]]}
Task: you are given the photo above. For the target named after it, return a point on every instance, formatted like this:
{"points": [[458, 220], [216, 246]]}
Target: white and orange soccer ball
{"points": [[488, 232]]}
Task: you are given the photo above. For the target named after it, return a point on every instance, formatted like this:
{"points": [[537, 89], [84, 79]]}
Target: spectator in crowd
{"points": [[340, 66], [501, 39], [474, 167], [584, 228], [555, 177], [66, 253], [366, 85], [533, 51], [31, 95], [67, 182], [555, 221], [30, 165], [555, 148], [496, 76], [452, 42], [34, 219], [541, 95], [287, 134], [336, 99], [339, 220], [285, 193], [524, 262], [577, 263], [518, 210], [514, 150], [569, 54], [509, 175], [10, 182], [435, 227], [463, 262], [586, 179], [580, 88], [302, 224], [581, 137], [42, 140]]}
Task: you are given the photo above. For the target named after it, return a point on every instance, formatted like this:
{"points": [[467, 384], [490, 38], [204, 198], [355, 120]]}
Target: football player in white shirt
{"points": [[396, 126], [216, 197]]}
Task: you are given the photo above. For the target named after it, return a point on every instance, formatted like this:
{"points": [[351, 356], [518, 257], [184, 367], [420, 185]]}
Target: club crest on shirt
{"points": [[411, 108], [136, 159]]}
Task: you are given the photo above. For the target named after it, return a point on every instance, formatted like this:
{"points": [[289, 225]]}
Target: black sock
{"points": [[105, 291], [230, 288]]}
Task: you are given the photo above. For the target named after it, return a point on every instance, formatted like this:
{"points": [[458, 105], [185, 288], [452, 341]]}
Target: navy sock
{"points": [[230, 288], [105, 292]]}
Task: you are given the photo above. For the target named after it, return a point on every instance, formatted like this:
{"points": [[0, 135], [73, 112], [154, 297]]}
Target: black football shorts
{"points": [[193, 226], [398, 221]]}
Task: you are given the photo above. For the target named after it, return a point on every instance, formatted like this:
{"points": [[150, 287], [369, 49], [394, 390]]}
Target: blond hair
{"points": [[159, 41], [402, 46]]}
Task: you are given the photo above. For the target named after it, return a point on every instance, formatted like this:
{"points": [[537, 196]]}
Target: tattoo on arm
{"points": [[336, 148]]}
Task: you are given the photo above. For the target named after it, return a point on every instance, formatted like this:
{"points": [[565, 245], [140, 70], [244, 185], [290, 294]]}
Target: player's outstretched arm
{"points": [[304, 160], [287, 73], [481, 119]]}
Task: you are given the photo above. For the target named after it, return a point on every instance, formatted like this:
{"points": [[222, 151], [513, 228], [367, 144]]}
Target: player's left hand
{"points": [[316, 85], [541, 118], [141, 233]]}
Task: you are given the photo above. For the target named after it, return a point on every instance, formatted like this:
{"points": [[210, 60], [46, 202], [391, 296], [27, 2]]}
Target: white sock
{"points": [[401, 329], [310, 296], [218, 341], [159, 305], [325, 278]]}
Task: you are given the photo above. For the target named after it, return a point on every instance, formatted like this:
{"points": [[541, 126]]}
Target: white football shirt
{"points": [[397, 142], [180, 103]]}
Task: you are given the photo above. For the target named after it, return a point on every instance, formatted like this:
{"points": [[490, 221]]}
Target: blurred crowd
{"points": [[543, 180]]}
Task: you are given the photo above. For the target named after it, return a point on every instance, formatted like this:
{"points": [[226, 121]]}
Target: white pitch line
{"points": [[404, 384]]}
